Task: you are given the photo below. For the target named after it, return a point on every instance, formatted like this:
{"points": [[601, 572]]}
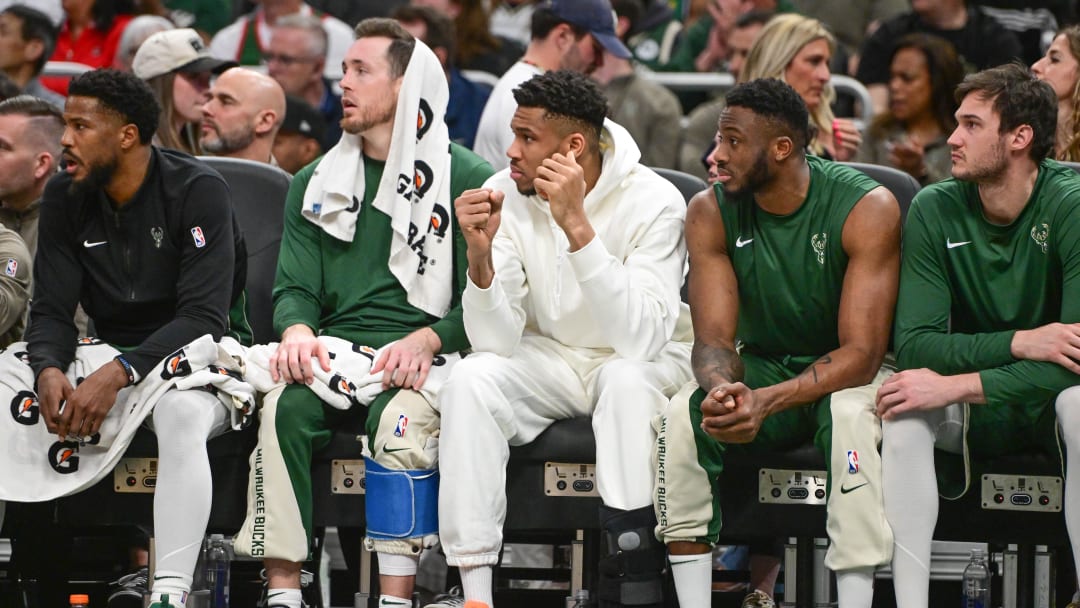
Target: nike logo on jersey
{"points": [[388, 450], [844, 490], [952, 245], [88, 244], [741, 243]]}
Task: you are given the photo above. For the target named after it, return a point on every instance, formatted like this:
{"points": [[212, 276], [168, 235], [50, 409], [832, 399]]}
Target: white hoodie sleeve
{"points": [[494, 317], [635, 303]]}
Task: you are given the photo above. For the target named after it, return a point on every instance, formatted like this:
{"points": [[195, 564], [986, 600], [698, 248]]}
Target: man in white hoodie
{"points": [[576, 257]]}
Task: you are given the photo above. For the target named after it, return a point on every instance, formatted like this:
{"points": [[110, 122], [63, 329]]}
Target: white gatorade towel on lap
{"points": [[38, 466], [414, 190], [349, 381]]}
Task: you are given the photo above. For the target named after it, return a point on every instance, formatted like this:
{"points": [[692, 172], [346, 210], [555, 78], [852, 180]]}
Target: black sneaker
{"points": [[128, 590]]}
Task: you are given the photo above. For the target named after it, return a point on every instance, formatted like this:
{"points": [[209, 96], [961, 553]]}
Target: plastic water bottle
{"points": [[79, 600], [217, 571], [976, 581]]}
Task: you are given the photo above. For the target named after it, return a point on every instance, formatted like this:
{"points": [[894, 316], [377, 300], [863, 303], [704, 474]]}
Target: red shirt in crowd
{"points": [[94, 47]]}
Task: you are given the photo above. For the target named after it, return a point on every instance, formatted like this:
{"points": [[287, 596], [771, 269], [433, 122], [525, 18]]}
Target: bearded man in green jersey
{"points": [[986, 321], [793, 276]]}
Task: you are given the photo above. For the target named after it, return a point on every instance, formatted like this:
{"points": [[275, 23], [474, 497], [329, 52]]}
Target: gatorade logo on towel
{"points": [[24, 408]]}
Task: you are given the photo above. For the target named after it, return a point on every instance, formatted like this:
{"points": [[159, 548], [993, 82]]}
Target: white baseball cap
{"points": [[179, 50]]}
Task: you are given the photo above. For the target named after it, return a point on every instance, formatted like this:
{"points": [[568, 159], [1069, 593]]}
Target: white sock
{"points": [[174, 600], [175, 584], [476, 584], [392, 564], [283, 598], [855, 588], [693, 579], [911, 504], [393, 600]]}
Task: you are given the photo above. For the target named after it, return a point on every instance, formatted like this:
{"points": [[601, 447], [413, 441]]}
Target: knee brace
{"points": [[632, 560], [400, 504]]}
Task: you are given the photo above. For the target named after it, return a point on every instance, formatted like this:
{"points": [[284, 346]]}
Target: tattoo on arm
{"points": [[716, 364], [813, 367]]}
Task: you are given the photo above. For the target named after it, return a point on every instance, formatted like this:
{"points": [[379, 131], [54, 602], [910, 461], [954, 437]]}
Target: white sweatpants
{"points": [[911, 492], [183, 421], [491, 402]]}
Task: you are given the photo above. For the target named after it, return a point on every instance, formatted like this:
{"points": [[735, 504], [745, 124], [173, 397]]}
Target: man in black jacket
{"points": [[145, 240]]}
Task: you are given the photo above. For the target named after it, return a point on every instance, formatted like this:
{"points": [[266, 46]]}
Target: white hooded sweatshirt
{"points": [[619, 293]]}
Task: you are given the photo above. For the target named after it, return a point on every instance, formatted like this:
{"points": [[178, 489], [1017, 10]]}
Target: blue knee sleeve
{"points": [[400, 503]]}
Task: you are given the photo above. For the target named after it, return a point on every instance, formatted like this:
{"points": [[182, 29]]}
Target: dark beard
{"points": [[755, 179], [96, 179]]}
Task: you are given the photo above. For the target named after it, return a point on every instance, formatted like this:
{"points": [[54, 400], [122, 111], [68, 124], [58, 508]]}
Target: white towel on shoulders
{"points": [[414, 190]]}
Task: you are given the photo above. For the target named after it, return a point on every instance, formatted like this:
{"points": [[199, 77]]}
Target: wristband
{"points": [[128, 369]]}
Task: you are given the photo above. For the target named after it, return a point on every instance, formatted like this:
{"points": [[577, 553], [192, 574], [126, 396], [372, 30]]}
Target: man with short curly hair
{"points": [[576, 257], [144, 239]]}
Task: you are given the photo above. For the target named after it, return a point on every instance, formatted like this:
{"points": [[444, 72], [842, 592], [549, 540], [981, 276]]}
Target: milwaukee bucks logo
{"points": [[1040, 233], [818, 242]]}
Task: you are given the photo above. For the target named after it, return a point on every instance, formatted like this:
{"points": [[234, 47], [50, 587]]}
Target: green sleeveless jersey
{"points": [[967, 285], [791, 268]]}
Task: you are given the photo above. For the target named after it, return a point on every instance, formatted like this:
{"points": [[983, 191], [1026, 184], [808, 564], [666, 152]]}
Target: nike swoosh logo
{"points": [[387, 450], [384, 602], [741, 243], [844, 490], [354, 207], [161, 578], [952, 245], [88, 244]]}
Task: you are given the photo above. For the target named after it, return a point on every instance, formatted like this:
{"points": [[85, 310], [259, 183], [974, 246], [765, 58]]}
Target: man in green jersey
{"points": [[987, 318], [793, 276], [370, 255]]}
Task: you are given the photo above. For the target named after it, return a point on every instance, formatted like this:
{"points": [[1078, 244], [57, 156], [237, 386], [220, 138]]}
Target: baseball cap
{"points": [[596, 16], [179, 50], [301, 118]]}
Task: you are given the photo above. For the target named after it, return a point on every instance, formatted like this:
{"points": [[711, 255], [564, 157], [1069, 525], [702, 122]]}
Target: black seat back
{"points": [[258, 195], [688, 185], [902, 185]]}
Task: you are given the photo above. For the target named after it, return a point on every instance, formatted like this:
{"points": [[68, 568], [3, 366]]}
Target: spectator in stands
{"points": [[30, 130], [353, 12], [8, 88], [700, 131], [246, 39], [971, 329], [27, 38], [911, 135], [177, 67], [851, 21], [242, 116], [90, 34], [566, 35], [654, 30], [572, 306], [204, 16], [704, 46], [513, 19], [296, 59], [797, 50], [182, 291], [135, 34], [317, 293], [980, 41], [802, 374], [299, 140], [467, 98], [649, 111], [477, 47], [1061, 68]]}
